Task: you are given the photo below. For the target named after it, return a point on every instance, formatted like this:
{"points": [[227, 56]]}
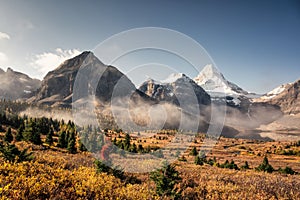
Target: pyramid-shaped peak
{"points": [[75, 62], [210, 70], [83, 55]]}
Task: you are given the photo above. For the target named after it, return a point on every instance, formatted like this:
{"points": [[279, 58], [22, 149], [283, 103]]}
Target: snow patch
{"points": [[27, 91], [173, 78], [275, 92]]}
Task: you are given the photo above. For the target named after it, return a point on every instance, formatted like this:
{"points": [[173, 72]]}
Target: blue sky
{"points": [[256, 44]]}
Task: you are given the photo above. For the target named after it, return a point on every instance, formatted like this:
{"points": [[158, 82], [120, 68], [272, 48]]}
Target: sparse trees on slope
{"points": [[31, 133]]}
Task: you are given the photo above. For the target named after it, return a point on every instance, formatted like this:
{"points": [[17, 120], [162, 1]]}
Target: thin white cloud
{"points": [[3, 57], [48, 61], [4, 36]]}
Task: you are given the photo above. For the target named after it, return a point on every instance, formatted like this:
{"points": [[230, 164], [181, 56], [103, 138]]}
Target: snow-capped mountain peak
{"points": [[209, 72], [213, 81], [215, 84], [176, 85], [174, 77]]}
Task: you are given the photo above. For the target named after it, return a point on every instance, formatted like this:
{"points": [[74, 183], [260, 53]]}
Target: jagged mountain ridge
{"points": [[176, 86], [16, 85]]}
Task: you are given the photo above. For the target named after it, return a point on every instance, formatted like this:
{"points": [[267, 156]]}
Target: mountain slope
{"points": [[15, 85], [286, 96], [58, 85], [186, 103], [177, 89]]}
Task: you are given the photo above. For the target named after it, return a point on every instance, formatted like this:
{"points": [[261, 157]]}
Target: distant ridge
{"points": [[16, 85], [286, 96]]}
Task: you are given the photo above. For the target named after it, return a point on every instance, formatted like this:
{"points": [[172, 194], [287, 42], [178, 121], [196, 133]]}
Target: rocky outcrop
{"points": [[288, 98]]}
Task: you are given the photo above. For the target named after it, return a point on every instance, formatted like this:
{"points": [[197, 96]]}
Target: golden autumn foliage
{"points": [[56, 174], [33, 180]]}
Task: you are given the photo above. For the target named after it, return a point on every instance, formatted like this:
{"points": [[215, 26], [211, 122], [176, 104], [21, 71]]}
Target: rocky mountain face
{"points": [[177, 89], [184, 99], [286, 96], [15, 85], [58, 85]]}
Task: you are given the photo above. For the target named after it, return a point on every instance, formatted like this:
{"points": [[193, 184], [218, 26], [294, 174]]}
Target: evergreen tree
{"points": [[140, 148], [1, 128], [265, 166], [71, 142], [245, 166], [127, 142], [62, 140], [11, 153], [71, 146], [133, 148], [49, 137], [106, 167], [36, 138], [114, 141], [30, 128], [81, 146], [287, 170], [83, 140], [8, 137], [194, 152], [199, 161], [165, 179], [19, 135]]}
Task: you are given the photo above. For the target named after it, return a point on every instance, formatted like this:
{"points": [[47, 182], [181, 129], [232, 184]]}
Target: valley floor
{"points": [[56, 174]]}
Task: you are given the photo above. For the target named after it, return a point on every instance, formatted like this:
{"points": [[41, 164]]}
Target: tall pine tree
{"points": [[71, 142], [62, 140], [19, 135], [165, 179], [8, 137], [49, 137]]}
